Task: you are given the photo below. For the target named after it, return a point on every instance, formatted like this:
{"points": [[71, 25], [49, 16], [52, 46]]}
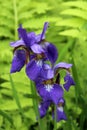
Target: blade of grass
{"points": [[16, 96], [55, 117]]}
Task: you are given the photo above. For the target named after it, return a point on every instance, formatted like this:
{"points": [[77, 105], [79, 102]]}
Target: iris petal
{"points": [[28, 39], [33, 70], [36, 48], [62, 65], [44, 30], [43, 107], [68, 81], [52, 53], [17, 43], [18, 61]]}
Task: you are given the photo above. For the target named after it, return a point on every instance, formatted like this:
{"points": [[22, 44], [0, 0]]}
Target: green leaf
{"points": [[71, 22], [75, 12], [78, 4]]}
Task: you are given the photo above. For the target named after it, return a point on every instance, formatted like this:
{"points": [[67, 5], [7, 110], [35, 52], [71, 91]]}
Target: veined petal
{"points": [[52, 53], [44, 30], [17, 43], [36, 48], [62, 65], [33, 70], [68, 81], [18, 61]]}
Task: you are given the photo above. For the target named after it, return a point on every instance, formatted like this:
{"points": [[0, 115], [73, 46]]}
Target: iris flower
{"points": [[35, 50], [60, 114]]}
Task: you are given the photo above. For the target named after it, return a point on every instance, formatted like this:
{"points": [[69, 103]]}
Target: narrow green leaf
{"points": [[16, 96], [5, 115]]}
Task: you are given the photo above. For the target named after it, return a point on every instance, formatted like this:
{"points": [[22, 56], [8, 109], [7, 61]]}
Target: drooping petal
{"points": [[44, 30], [56, 93], [36, 48], [62, 65], [29, 39], [17, 43], [50, 92], [33, 69], [61, 114], [68, 81], [52, 53], [18, 61], [43, 107]]}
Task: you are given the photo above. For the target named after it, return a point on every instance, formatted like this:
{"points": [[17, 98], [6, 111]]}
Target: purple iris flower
{"points": [[60, 114], [68, 78], [35, 50]]}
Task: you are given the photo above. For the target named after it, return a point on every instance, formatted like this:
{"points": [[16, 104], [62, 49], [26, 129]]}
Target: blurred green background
{"points": [[68, 31]]}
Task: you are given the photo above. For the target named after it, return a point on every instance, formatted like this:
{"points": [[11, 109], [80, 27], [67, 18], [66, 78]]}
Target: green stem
{"points": [[35, 104], [55, 117], [15, 17]]}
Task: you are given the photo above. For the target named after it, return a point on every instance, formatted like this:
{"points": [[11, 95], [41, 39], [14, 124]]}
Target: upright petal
{"points": [[28, 39], [18, 61], [68, 81], [44, 30], [52, 53]]}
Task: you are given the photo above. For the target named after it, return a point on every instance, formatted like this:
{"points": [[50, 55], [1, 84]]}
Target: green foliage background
{"points": [[68, 31]]}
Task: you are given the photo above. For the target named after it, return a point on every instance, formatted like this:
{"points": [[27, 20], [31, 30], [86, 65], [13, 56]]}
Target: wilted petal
{"points": [[18, 61], [52, 53], [37, 48], [68, 81], [33, 69], [17, 43]]}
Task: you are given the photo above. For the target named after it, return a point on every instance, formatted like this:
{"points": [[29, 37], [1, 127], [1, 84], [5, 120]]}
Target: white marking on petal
{"points": [[39, 63], [39, 106], [60, 109], [48, 87]]}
